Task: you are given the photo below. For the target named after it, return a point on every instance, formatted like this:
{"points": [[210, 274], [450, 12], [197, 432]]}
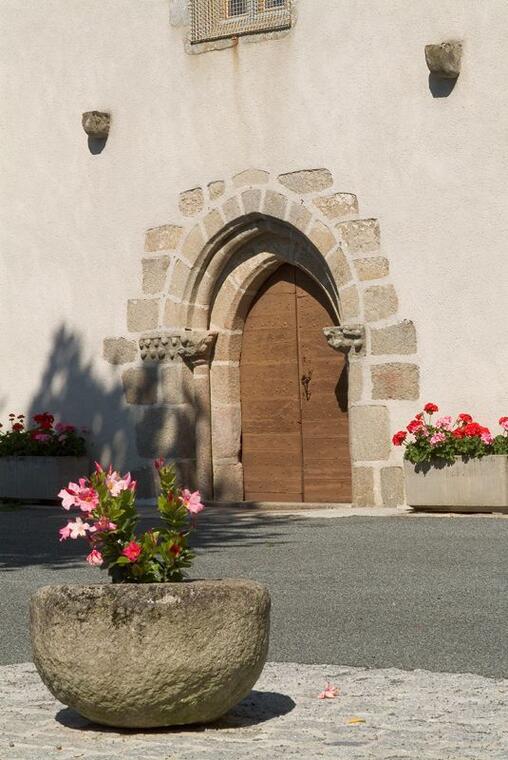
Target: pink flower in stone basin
{"points": [[503, 421], [115, 483], [486, 437], [78, 528], [42, 437], [330, 691], [437, 438], [65, 532], [192, 501], [445, 423], [95, 558]]}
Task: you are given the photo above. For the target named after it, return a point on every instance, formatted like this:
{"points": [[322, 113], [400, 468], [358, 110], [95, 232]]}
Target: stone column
{"points": [[196, 350]]}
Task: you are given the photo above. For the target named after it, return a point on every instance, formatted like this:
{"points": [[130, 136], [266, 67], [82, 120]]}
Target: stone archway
{"points": [[187, 266]]}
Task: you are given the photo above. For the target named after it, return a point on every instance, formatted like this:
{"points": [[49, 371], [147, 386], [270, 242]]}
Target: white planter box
{"points": [[475, 485], [39, 478]]}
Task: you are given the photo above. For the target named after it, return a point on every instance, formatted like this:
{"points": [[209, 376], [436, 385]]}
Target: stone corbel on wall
{"points": [[348, 339], [194, 348]]}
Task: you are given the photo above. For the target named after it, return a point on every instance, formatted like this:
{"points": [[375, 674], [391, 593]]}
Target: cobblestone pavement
{"points": [[382, 714]]}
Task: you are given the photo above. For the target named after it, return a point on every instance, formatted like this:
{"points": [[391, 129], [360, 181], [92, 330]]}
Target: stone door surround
{"points": [[200, 274]]}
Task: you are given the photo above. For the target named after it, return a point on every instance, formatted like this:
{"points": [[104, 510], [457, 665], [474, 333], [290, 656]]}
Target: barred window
{"points": [[218, 19]]}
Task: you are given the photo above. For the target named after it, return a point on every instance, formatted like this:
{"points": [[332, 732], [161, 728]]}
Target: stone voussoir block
{"points": [[154, 274], [216, 189], [119, 350], [337, 205], [191, 202], [140, 385], [372, 268], [172, 313], [359, 236], [231, 209], [142, 314], [370, 433], [213, 223], [339, 267], [363, 486], [379, 302], [392, 486], [193, 245], [300, 217], [274, 204], [251, 177], [251, 200], [322, 237], [394, 339], [165, 238], [395, 380], [349, 302], [307, 180]]}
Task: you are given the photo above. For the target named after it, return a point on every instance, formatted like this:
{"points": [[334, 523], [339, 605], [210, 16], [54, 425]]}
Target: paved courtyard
{"points": [[383, 598]]}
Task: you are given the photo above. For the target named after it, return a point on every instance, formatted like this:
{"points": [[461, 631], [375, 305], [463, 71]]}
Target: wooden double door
{"points": [[295, 438]]}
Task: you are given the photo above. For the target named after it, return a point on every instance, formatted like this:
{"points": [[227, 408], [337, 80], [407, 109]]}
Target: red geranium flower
{"points": [[399, 438], [431, 408], [175, 549], [465, 418], [45, 420], [18, 426], [415, 425]]}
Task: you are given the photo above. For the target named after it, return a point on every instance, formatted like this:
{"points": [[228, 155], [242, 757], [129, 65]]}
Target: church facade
{"points": [[255, 236]]}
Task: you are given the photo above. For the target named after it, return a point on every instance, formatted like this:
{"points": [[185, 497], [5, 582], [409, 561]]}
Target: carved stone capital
{"points": [[348, 339], [193, 348]]}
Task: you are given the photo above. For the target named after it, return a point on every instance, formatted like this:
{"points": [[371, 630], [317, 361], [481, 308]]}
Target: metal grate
{"points": [[218, 19]]}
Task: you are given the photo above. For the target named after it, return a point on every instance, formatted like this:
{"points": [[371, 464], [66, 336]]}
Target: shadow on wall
{"points": [[71, 391]]}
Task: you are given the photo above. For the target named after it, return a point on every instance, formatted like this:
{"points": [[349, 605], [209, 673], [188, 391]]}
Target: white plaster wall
{"points": [[346, 89]]}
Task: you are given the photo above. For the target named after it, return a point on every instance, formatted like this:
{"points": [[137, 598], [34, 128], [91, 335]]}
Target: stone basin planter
{"points": [[147, 655], [474, 485], [38, 478]]}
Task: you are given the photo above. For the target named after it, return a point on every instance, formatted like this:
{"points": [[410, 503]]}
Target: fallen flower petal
{"points": [[355, 721], [329, 692]]}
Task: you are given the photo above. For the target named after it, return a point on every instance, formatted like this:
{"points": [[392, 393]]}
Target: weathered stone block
{"points": [[322, 238], [349, 302], [251, 200], [213, 223], [395, 380], [154, 274], [226, 431], [142, 314], [177, 384], [178, 279], [228, 481], [355, 381], [119, 350], [231, 209], [251, 177], [392, 486], [172, 314], [337, 205], [444, 60], [166, 432], [299, 217], [165, 238], [140, 385], [370, 433], [360, 236], [373, 268], [191, 202], [96, 124], [275, 204], [339, 267], [225, 383], [394, 339], [193, 245], [307, 181], [363, 486], [379, 301], [228, 346], [216, 189]]}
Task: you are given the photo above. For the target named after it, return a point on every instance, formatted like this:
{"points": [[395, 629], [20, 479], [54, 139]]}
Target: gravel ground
{"points": [[381, 714]]}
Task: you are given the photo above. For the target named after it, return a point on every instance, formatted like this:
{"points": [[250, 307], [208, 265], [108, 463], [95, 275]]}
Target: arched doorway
{"points": [[293, 386]]}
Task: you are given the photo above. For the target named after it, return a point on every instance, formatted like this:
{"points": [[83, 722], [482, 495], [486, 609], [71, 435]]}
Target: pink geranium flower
{"points": [[445, 423], [486, 436], [192, 501], [329, 692], [437, 438], [95, 558], [503, 421], [132, 551], [42, 437]]}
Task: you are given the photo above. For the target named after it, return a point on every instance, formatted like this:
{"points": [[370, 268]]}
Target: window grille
{"points": [[219, 19]]}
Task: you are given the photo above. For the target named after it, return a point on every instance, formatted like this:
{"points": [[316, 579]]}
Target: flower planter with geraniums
{"points": [[454, 465], [35, 460], [151, 649]]}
